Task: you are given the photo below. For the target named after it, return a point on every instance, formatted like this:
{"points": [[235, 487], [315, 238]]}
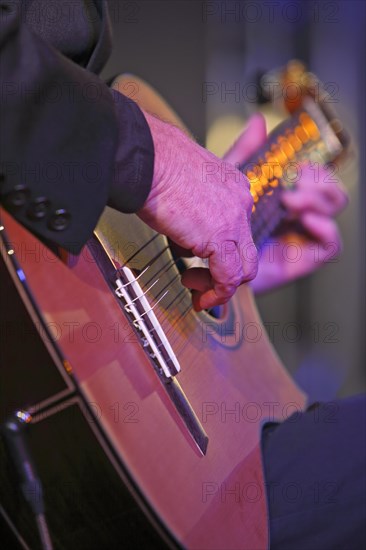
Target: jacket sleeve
{"points": [[68, 144]]}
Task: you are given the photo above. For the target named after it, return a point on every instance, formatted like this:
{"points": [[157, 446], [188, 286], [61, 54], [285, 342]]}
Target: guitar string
{"points": [[162, 271], [164, 268], [167, 321], [169, 325], [259, 227], [172, 341], [258, 224], [139, 250], [155, 258], [172, 324], [176, 297], [170, 282]]}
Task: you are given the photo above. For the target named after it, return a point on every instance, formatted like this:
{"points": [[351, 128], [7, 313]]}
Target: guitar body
{"points": [[189, 450], [229, 373]]}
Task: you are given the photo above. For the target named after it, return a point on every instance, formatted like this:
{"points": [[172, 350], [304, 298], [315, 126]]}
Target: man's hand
{"points": [[202, 204], [309, 236]]}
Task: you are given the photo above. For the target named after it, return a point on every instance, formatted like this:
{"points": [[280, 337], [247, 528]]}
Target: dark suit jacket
{"points": [[68, 144]]}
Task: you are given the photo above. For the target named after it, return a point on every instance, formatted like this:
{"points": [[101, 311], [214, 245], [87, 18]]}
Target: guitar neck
{"points": [[311, 134]]}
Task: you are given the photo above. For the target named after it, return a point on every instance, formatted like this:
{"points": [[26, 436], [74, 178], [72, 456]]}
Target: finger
{"points": [[324, 230], [197, 278], [200, 282], [312, 199], [321, 179], [253, 137], [178, 251], [227, 274], [229, 268], [209, 299], [216, 285]]}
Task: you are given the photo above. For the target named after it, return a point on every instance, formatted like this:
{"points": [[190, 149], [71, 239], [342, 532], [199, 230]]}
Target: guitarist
{"points": [[69, 146]]}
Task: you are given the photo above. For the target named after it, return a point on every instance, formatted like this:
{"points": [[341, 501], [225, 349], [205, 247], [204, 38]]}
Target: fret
{"points": [[311, 134]]}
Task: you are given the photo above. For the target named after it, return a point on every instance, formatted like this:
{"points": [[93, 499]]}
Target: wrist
{"points": [[169, 146]]}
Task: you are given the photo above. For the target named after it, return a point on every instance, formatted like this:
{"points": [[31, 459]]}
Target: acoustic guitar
{"points": [[137, 406]]}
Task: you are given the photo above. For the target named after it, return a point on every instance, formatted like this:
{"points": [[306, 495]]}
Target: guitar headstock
{"points": [[292, 87]]}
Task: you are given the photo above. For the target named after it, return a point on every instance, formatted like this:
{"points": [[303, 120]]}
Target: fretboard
{"points": [[311, 134]]}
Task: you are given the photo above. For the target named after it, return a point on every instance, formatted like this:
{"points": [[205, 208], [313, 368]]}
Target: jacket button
{"points": [[17, 197], [59, 220], [38, 208]]}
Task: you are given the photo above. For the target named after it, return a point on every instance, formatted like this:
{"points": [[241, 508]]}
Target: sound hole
{"points": [[217, 312]]}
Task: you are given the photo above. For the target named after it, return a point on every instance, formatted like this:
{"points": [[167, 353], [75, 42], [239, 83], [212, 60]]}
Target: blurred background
{"points": [[205, 58]]}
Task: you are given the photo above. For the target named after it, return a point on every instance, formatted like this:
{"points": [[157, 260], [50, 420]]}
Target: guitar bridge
{"points": [[139, 309], [145, 320], [159, 349]]}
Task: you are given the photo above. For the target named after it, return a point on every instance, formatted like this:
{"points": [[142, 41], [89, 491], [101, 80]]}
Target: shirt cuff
{"points": [[134, 161]]}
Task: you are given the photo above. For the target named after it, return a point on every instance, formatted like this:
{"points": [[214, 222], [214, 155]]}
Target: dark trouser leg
{"points": [[315, 476]]}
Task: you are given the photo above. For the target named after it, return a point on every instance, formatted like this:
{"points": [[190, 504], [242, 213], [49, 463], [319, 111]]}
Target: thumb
{"points": [[249, 141]]}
